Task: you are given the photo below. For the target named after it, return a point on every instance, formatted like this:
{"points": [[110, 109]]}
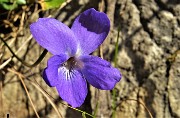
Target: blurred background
{"points": [[144, 44]]}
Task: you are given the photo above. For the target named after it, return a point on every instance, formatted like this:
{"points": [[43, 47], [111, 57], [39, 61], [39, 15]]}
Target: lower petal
{"points": [[72, 86], [50, 74], [99, 72]]}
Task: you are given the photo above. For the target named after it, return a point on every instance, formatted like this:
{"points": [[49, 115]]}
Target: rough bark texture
{"points": [[148, 58]]}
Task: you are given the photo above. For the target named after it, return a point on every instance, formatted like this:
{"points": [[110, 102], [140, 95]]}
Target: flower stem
{"points": [[116, 48], [96, 109], [82, 111], [115, 64], [23, 62]]}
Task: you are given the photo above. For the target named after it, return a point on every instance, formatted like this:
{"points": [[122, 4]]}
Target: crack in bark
{"points": [[164, 6], [167, 102], [144, 21]]}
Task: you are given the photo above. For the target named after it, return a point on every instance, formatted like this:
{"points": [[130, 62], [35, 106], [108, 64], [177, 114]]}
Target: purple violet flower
{"points": [[71, 66]]}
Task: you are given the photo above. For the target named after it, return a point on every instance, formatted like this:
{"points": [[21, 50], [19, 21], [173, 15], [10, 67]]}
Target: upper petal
{"points": [[72, 87], [91, 28], [99, 72], [50, 74], [53, 35]]}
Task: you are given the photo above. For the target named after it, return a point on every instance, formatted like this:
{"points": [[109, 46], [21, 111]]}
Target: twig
{"points": [[7, 61], [1, 95], [141, 104], [101, 9], [65, 3], [45, 94], [39, 88], [22, 81], [22, 21], [23, 62], [48, 95]]}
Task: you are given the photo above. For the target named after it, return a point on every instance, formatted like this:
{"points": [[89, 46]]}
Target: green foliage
{"points": [[83, 115], [96, 109], [11, 4], [49, 4], [45, 4], [115, 63]]}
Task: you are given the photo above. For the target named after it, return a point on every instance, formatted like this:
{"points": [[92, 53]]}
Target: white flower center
{"points": [[73, 63], [70, 66]]}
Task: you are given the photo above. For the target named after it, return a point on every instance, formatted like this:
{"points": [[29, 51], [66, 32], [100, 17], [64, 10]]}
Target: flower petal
{"points": [[99, 72], [50, 74], [72, 86], [53, 35], [91, 27]]}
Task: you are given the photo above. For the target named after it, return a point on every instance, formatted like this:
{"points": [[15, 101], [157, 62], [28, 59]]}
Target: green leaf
{"points": [[1, 1], [9, 7], [21, 2], [11, 4], [49, 4]]}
